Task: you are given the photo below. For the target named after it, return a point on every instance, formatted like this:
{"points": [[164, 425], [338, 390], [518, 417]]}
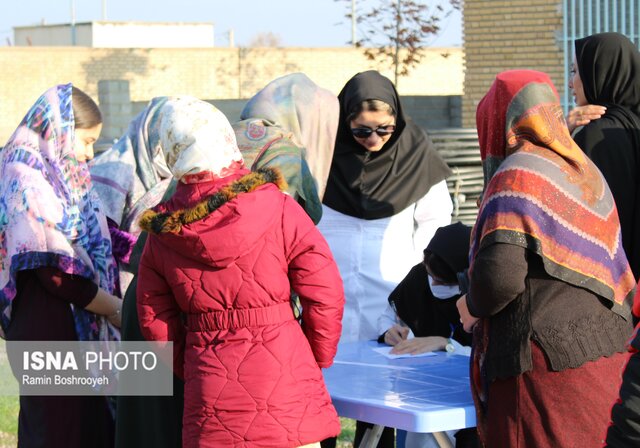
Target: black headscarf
{"points": [[373, 185], [413, 300], [451, 243], [609, 67]]}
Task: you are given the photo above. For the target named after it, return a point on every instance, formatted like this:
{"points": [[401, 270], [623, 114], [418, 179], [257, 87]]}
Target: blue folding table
{"points": [[423, 394]]}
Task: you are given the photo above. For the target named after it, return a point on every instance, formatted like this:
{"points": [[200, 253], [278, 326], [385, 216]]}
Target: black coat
{"points": [[609, 66]]}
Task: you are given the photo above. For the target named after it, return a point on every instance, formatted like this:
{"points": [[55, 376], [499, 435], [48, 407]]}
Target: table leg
{"points": [[442, 439], [371, 437]]}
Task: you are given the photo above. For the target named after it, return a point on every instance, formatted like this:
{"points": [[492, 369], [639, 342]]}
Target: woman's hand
{"points": [[116, 318], [107, 305], [395, 335], [467, 320], [416, 346], [583, 115]]}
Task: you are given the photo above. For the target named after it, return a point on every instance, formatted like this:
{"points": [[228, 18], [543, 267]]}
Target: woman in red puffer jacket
{"points": [[216, 277]]}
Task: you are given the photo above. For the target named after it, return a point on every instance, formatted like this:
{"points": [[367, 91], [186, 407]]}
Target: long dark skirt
{"points": [[543, 408], [147, 422], [64, 422]]}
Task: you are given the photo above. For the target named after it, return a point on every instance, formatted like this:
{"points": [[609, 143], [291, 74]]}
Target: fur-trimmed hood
{"points": [[225, 223]]}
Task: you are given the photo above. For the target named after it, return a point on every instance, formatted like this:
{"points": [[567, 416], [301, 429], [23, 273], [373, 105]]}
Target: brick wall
{"points": [[502, 35], [211, 73]]}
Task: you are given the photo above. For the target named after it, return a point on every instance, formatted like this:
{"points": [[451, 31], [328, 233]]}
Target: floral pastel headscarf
{"points": [[49, 214], [197, 141]]}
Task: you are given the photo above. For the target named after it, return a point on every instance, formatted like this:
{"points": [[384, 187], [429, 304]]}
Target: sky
{"points": [[297, 23]]}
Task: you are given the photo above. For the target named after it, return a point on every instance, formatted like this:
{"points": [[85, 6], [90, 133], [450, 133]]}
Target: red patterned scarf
{"points": [[543, 193]]}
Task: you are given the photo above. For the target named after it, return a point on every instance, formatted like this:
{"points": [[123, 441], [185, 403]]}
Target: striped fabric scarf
{"points": [[132, 167], [542, 193]]}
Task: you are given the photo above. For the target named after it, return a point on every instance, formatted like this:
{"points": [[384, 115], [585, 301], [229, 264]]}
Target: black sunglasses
{"points": [[382, 131]]}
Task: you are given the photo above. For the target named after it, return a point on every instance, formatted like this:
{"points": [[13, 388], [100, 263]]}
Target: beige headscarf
{"points": [[197, 138]]}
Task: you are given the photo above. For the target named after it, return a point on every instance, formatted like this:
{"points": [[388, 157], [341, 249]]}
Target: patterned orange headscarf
{"points": [[543, 193]]}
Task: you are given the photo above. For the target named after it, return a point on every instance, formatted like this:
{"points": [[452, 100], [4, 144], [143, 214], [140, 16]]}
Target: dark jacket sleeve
{"points": [[498, 277], [314, 275], [625, 414], [70, 288], [411, 300]]}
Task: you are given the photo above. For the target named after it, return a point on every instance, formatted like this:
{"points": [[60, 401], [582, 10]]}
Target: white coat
{"points": [[375, 255]]}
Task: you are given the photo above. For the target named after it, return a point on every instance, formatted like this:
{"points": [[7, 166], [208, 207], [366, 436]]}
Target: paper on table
{"points": [[385, 352]]}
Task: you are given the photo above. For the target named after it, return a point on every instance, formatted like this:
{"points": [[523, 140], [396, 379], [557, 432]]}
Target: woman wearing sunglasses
{"points": [[385, 198]]}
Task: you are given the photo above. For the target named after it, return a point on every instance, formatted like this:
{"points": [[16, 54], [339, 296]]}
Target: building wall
{"points": [[52, 35], [118, 35], [152, 35], [211, 73], [502, 35]]}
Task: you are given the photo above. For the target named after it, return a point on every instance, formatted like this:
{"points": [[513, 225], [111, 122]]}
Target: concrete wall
{"points": [[212, 73], [116, 107], [428, 112]]}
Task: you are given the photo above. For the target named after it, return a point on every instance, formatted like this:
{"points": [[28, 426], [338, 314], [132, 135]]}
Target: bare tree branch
{"points": [[396, 31]]}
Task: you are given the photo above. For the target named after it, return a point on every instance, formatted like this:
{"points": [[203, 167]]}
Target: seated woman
{"points": [[291, 124], [422, 315]]}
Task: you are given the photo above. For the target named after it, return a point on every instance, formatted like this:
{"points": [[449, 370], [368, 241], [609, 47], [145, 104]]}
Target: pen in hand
{"points": [[396, 334]]}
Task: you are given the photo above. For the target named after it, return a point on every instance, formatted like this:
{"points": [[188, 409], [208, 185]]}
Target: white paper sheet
{"points": [[385, 352]]}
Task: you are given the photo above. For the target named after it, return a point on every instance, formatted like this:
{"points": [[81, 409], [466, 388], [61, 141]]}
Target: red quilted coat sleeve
{"points": [[314, 275], [158, 312]]}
